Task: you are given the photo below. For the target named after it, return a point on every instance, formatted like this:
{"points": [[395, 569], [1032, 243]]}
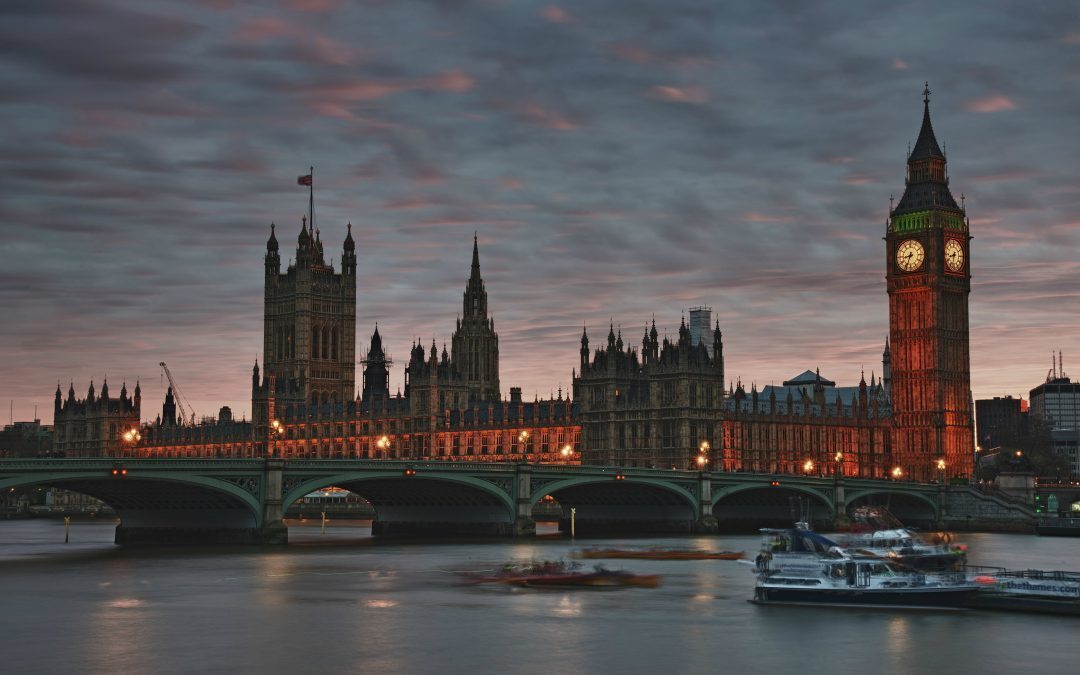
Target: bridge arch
{"points": [[430, 501], [634, 503], [747, 507], [909, 506], [145, 501]]}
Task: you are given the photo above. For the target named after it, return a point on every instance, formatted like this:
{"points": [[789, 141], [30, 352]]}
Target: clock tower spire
{"points": [[928, 275]]}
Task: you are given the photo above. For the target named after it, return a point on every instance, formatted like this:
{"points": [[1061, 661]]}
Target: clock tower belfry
{"points": [[928, 275]]}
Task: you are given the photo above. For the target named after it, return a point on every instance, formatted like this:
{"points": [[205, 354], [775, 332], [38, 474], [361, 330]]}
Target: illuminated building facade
{"points": [[663, 406], [96, 426]]}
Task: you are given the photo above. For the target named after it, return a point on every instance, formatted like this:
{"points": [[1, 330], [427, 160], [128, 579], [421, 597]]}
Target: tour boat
{"points": [[877, 532], [1027, 590], [845, 580], [658, 554]]}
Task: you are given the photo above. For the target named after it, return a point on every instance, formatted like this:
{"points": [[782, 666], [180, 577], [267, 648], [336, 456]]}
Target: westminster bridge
{"points": [[232, 501]]}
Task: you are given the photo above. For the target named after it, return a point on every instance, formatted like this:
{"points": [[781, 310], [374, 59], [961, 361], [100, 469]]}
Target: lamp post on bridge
{"points": [[131, 439], [276, 430], [702, 458]]}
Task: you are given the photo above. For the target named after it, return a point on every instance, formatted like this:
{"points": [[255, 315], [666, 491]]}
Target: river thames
{"points": [[343, 602]]}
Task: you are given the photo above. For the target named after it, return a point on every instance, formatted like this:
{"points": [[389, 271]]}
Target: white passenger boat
{"points": [[801, 567], [877, 532]]}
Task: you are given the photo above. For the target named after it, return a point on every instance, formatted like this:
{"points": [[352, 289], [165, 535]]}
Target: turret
{"points": [[584, 348], [58, 401], [348, 254], [273, 260], [255, 376]]}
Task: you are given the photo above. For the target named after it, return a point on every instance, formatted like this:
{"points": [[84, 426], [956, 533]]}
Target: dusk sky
{"points": [[618, 159]]}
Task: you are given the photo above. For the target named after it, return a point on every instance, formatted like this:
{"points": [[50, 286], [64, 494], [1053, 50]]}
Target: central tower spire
{"points": [[475, 344]]}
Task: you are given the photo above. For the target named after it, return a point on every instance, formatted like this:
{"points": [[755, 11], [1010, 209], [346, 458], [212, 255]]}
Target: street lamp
{"points": [[703, 454], [277, 430], [383, 444], [839, 457], [131, 437], [808, 466], [897, 472], [566, 452], [941, 468], [523, 438]]}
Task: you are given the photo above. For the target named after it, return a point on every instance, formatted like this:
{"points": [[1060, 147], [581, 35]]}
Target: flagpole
{"points": [[311, 199]]}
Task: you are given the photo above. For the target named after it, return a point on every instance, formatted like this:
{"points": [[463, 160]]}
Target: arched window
{"points": [[325, 344], [314, 342], [333, 344]]}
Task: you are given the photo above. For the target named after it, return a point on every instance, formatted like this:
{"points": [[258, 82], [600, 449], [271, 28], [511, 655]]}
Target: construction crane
{"points": [[186, 411]]}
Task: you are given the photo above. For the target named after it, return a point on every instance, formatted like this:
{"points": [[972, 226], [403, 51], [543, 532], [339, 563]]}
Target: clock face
{"points": [[954, 255], [909, 255]]}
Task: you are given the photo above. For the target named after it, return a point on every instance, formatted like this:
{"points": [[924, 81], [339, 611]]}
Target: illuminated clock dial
{"points": [[909, 255], [954, 255]]}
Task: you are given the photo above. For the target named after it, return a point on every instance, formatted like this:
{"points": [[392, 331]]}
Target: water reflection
{"points": [[393, 607]]}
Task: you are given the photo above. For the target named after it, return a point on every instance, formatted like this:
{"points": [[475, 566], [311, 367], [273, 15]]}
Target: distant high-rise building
{"points": [[701, 328], [1057, 403]]}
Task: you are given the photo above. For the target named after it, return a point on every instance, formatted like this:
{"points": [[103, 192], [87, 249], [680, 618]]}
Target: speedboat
{"points": [[842, 579], [877, 532], [598, 578], [560, 574]]}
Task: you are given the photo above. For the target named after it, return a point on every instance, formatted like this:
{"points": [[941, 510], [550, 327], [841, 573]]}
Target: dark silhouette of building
{"points": [[999, 420]]}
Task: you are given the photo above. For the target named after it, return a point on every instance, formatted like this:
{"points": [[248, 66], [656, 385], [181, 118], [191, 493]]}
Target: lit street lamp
{"points": [[897, 473], [131, 437], [566, 452], [703, 455], [523, 438], [941, 468], [808, 466], [383, 444], [277, 430]]}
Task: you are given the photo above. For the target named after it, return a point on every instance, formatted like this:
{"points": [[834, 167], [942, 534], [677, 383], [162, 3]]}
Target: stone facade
{"points": [[96, 425]]}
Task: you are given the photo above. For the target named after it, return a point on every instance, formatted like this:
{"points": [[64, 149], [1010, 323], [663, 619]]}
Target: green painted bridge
{"points": [[243, 500]]}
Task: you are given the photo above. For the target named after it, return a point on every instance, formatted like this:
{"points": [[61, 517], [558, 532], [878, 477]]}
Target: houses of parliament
{"points": [[662, 404]]}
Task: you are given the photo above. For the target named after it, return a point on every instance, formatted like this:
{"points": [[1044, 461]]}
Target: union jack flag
{"points": [[303, 180]]}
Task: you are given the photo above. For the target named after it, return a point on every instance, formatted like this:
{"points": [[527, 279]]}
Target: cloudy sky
{"points": [[618, 159]]}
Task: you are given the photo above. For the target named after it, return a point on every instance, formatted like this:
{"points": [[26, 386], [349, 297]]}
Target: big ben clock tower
{"points": [[928, 274]]}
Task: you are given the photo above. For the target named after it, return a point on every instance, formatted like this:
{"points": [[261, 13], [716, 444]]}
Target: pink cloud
{"points": [[1021, 174], [899, 64], [990, 104], [263, 27], [332, 52], [456, 81], [537, 115], [511, 183], [859, 179], [555, 14], [313, 5], [642, 56], [755, 217], [679, 94], [411, 202], [1072, 39]]}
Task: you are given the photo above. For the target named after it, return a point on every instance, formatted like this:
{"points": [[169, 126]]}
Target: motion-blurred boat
{"points": [[657, 554]]}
